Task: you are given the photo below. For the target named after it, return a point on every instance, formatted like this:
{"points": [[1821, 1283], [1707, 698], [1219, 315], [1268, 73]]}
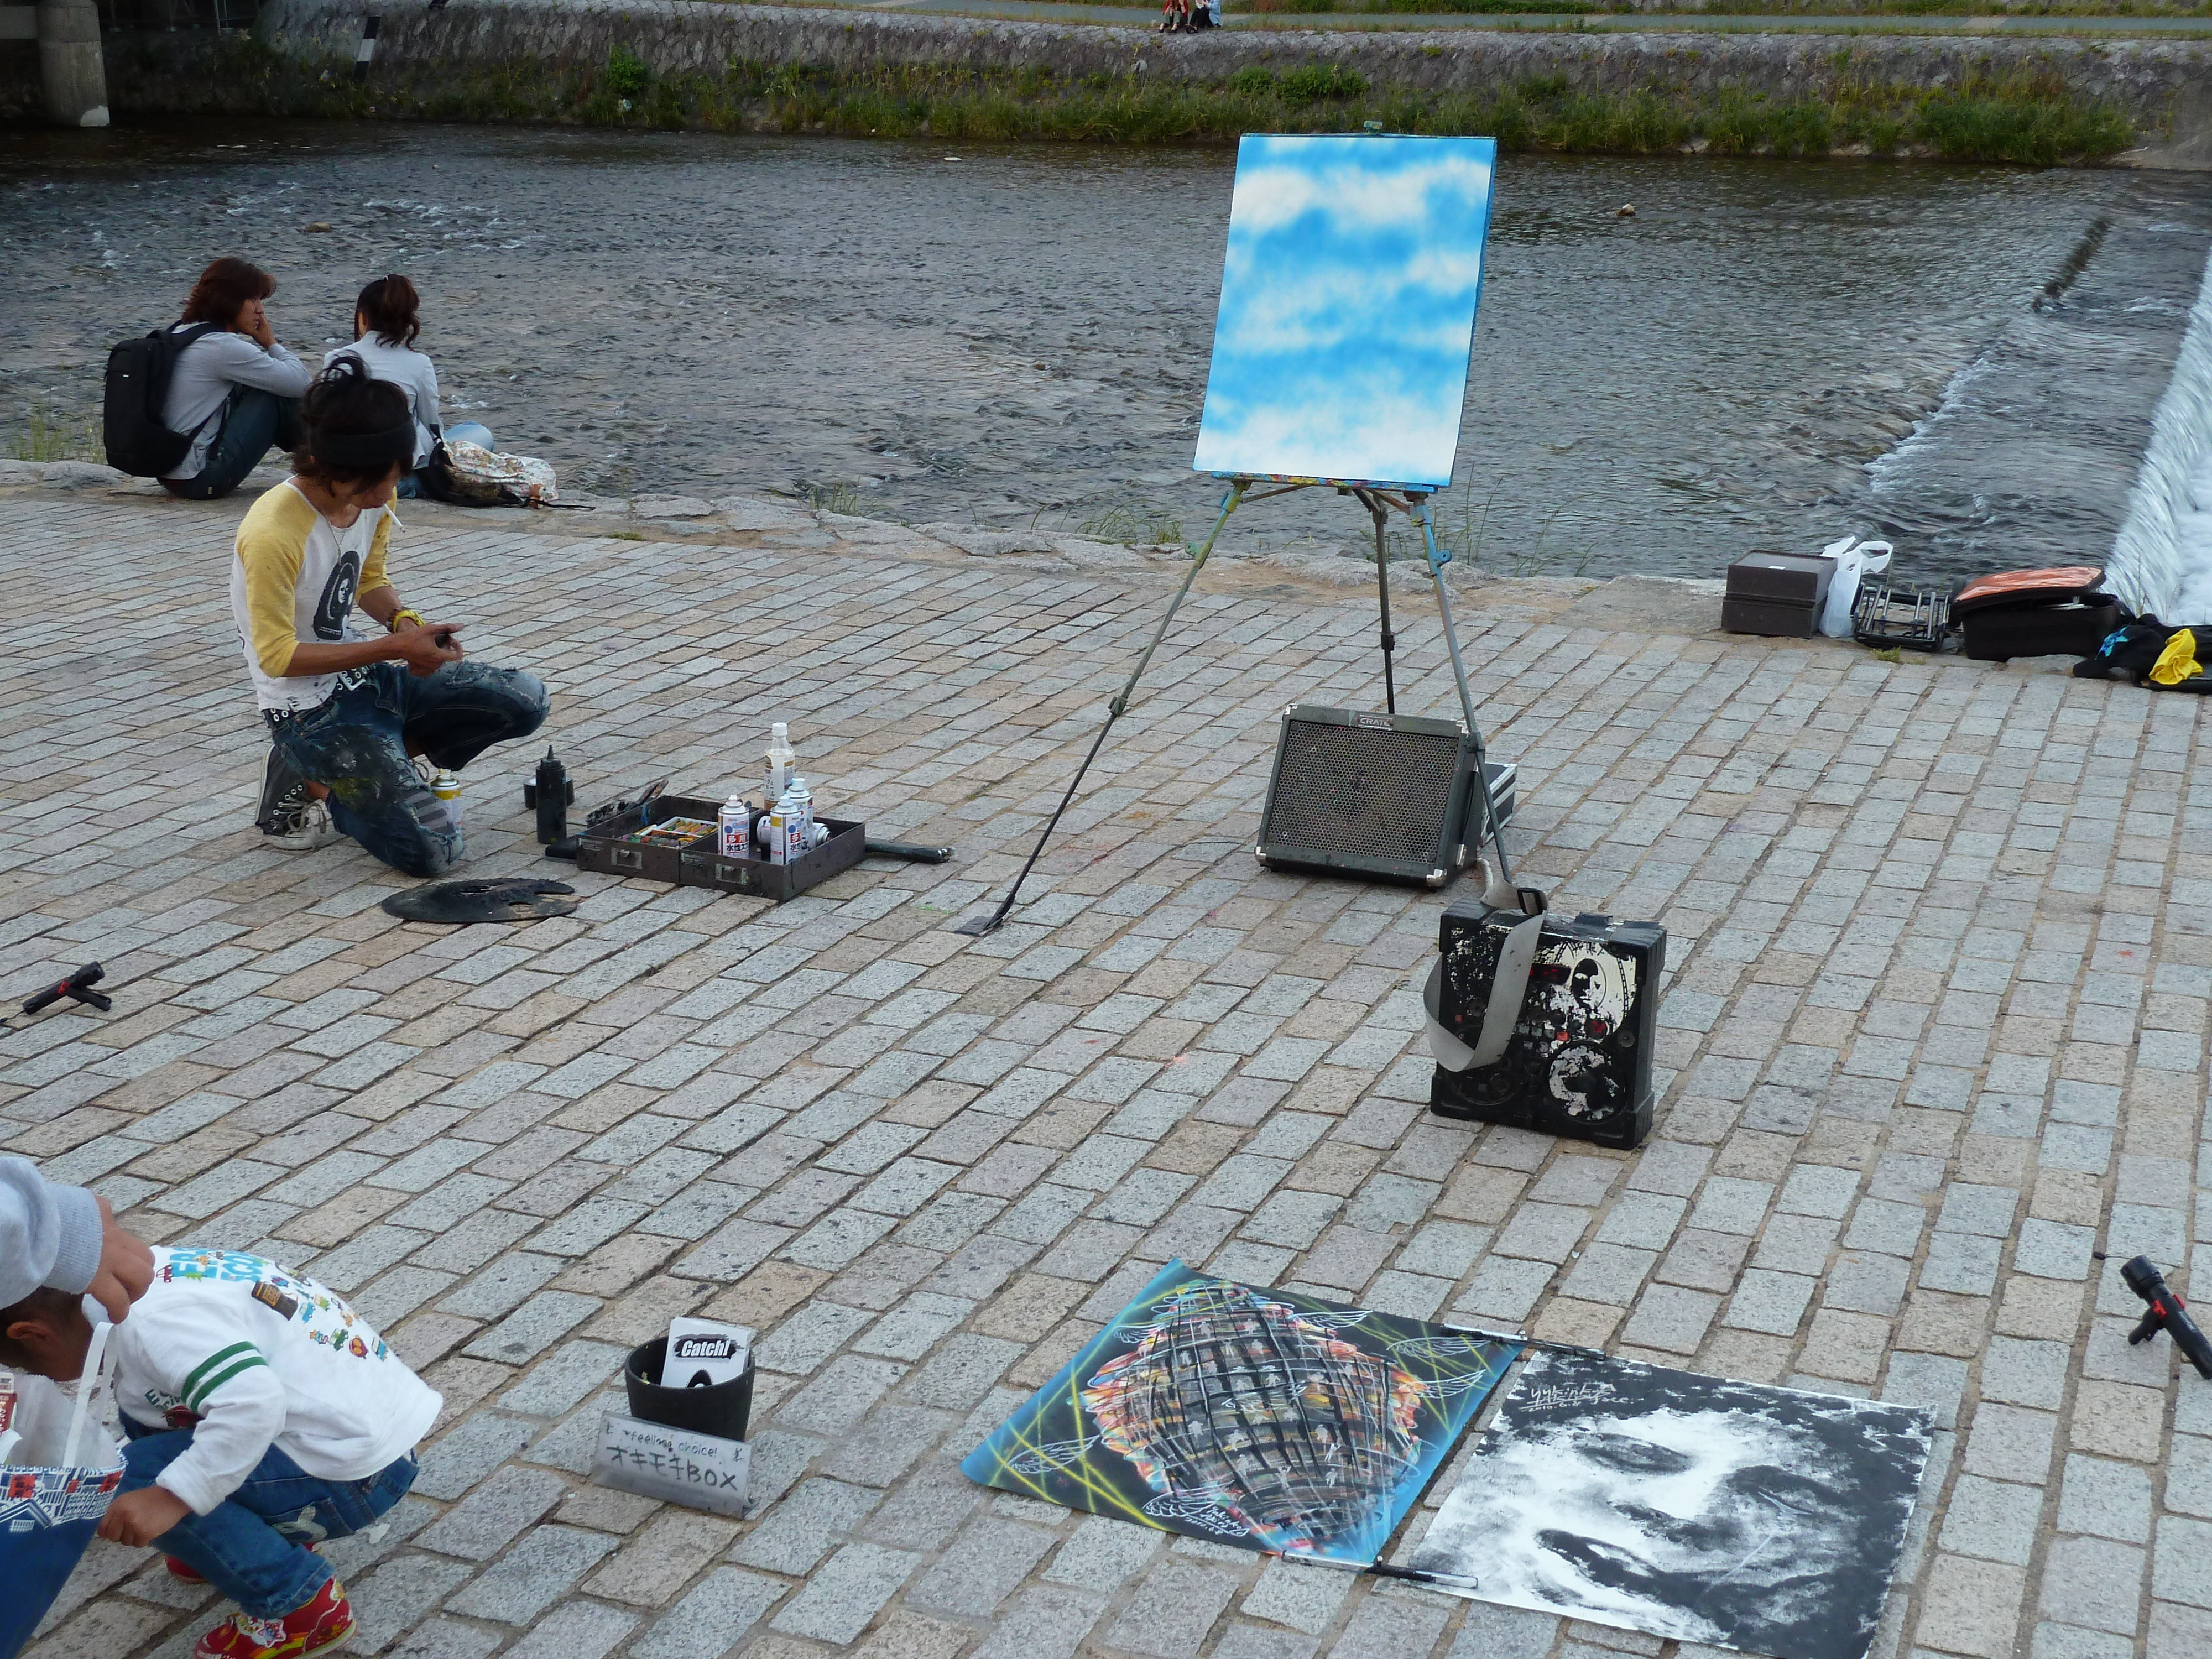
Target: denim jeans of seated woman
{"points": [[249, 1545], [470, 431], [357, 744], [254, 422]]}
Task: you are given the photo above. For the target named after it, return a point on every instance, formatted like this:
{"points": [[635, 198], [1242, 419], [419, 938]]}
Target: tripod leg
{"points": [[1437, 560], [980, 925], [1382, 597]]}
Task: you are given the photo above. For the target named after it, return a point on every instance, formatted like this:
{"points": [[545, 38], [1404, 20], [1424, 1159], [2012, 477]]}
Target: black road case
{"points": [[1579, 1060]]}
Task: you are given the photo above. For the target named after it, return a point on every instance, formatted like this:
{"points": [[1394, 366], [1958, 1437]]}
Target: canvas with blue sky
{"points": [[1348, 308]]}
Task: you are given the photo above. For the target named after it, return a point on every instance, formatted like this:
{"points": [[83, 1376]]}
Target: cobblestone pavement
{"points": [[1934, 1039]]}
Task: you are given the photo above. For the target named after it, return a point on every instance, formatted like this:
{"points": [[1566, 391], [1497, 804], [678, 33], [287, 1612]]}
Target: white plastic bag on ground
{"points": [[1854, 559]]}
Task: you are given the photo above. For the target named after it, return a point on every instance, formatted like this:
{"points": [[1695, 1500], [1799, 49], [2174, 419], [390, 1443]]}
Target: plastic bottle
{"points": [[733, 827], [780, 760], [446, 787]]}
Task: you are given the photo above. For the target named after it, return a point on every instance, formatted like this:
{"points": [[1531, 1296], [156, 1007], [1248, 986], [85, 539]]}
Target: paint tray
{"points": [[705, 866], [1909, 618], [607, 848]]}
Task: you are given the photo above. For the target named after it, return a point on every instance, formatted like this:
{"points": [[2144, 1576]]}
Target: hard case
{"points": [[1793, 578], [701, 865], [704, 866], [2000, 634], [2057, 584], [1782, 618], [602, 846], [1579, 1062]]}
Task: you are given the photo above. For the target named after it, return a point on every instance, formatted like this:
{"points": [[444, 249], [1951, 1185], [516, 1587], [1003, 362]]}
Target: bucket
{"points": [[723, 1409]]}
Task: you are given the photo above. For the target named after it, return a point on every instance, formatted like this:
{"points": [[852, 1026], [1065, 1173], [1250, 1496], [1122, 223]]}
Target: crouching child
{"points": [[263, 1416]]}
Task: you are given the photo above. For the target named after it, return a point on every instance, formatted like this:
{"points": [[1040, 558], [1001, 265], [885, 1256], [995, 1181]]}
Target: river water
{"points": [[1766, 353]]}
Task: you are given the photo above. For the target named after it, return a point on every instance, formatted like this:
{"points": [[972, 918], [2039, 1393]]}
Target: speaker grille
{"points": [[1355, 791]]}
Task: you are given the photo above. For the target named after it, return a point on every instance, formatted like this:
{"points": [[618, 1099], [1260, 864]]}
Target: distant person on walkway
{"points": [[384, 328], [347, 714], [234, 390]]}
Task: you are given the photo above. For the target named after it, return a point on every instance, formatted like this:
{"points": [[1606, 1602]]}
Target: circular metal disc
{"points": [[483, 898]]}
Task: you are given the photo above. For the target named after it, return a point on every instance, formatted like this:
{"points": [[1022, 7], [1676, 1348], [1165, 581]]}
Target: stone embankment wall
{"points": [[2161, 87], [2148, 79]]}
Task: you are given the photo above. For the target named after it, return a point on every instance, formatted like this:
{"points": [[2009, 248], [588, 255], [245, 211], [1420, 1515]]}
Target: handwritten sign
{"points": [[700, 1471]]}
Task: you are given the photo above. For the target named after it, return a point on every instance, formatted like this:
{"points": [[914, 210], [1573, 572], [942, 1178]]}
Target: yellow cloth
{"points": [[2178, 662]]}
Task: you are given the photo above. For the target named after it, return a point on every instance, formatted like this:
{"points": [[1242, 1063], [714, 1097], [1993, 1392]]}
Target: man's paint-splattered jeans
{"points": [[356, 744]]}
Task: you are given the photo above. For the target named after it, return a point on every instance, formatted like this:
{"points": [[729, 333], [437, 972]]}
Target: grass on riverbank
{"points": [[1987, 121], [2017, 117], [49, 434]]}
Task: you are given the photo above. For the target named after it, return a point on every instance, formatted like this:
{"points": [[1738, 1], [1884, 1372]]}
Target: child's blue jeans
{"points": [[249, 1545]]}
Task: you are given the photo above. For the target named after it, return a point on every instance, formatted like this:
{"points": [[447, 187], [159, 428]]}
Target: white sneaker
{"points": [[302, 828]]}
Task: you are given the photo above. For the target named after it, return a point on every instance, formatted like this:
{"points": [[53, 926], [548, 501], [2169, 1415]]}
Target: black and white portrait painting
{"points": [[1685, 1506]]}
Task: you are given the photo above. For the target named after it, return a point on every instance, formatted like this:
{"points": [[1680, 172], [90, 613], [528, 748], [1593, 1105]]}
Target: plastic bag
{"points": [[1854, 559], [48, 1513], [468, 475]]}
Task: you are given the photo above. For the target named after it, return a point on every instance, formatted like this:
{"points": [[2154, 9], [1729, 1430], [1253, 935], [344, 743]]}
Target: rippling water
{"points": [[1765, 355]]}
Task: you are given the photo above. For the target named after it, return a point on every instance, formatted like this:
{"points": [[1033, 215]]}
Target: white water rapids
{"points": [[2162, 562]]}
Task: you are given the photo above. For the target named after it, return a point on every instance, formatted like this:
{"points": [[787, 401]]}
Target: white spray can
{"points": [[777, 830], [800, 832], [733, 827], [446, 787], [780, 760]]}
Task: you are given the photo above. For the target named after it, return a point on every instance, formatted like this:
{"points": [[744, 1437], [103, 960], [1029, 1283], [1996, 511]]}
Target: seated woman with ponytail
{"points": [[386, 327], [347, 713]]}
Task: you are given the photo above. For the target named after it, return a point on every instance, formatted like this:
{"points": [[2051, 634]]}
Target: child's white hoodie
{"points": [[249, 1355]]}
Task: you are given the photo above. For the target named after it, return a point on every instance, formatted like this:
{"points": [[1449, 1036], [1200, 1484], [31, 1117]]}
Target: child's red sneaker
{"points": [[324, 1622]]}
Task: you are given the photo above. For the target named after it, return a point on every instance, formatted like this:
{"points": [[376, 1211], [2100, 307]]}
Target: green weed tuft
{"points": [[626, 74], [48, 435]]}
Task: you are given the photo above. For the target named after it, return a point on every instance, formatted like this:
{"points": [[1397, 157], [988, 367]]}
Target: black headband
{"points": [[365, 449]]}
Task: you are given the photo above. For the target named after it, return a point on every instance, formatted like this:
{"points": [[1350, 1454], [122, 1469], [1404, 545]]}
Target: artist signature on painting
{"points": [[1551, 1397]]}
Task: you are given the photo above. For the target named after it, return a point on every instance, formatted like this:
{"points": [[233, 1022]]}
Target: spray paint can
{"points": [[551, 793], [800, 833], [780, 760], [733, 827], [446, 787], [778, 832]]}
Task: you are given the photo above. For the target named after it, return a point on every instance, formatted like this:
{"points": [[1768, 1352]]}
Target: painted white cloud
{"points": [[1347, 308]]}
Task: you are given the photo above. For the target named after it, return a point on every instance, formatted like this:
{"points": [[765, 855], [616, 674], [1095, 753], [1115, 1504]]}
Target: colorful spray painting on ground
{"points": [[1261, 1417], [1348, 308], [1687, 1507]]}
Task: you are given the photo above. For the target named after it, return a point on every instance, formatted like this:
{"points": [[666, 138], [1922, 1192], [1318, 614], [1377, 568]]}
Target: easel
{"points": [[1380, 500]]}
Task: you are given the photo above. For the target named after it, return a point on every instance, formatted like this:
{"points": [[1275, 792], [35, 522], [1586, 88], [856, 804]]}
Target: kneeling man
{"points": [[347, 714]]}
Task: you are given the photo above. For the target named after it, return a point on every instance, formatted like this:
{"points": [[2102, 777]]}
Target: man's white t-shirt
{"points": [[293, 582], [412, 371]]}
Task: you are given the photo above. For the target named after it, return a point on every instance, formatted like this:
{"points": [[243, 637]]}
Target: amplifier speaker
{"points": [[1390, 795]]}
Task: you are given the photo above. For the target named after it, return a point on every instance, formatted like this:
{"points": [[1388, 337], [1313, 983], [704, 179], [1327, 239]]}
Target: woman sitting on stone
{"points": [[233, 389], [384, 328]]}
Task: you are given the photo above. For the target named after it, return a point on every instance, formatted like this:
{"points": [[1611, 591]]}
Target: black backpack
{"points": [[137, 386]]}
